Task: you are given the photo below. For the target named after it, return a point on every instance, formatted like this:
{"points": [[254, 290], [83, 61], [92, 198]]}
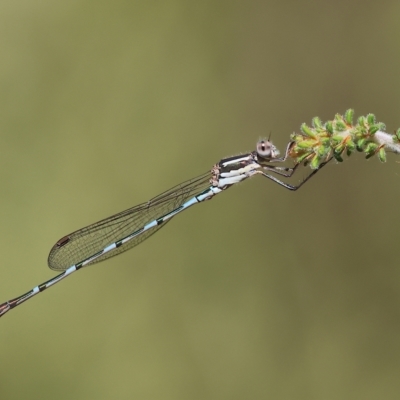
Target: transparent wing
{"points": [[86, 242]]}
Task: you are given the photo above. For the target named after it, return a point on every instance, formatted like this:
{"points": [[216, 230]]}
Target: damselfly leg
{"points": [[287, 185], [263, 153]]}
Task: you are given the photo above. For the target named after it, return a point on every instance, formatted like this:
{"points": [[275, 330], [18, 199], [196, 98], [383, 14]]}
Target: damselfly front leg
{"points": [[266, 153]]}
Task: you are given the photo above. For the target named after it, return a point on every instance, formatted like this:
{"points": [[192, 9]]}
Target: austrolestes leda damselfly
{"points": [[122, 231]]}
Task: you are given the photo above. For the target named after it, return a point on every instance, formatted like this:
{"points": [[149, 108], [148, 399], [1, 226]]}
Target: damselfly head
{"points": [[266, 149]]}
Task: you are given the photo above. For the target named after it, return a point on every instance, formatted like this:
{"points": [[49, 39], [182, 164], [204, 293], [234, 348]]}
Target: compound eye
{"points": [[266, 149]]}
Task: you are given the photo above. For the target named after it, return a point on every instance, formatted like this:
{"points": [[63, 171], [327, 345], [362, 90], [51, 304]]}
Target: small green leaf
{"points": [[297, 138], [308, 131], [360, 144], [303, 157], [322, 151], [338, 117], [362, 131], [337, 139], [382, 154], [350, 145], [340, 126], [338, 157], [373, 129], [381, 126], [371, 119], [314, 164], [348, 116], [371, 148], [361, 121], [316, 122], [357, 133], [307, 144], [329, 127], [339, 148], [398, 133]]}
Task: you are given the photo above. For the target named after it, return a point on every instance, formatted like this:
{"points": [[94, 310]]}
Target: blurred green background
{"points": [[258, 294]]}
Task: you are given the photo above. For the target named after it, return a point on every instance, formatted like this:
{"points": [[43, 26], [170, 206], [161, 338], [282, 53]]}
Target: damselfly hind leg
{"points": [[287, 185]]}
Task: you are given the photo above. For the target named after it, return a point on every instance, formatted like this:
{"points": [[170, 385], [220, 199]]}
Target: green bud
{"points": [[322, 151], [325, 141], [381, 126], [314, 164], [398, 133], [316, 122], [338, 117], [362, 131], [361, 121], [338, 157], [382, 154], [339, 148], [348, 116], [329, 127], [371, 119], [337, 139], [357, 134], [350, 145], [340, 126], [360, 144], [308, 131], [373, 129], [303, 157], [297, 138], [371, 147], [307, 144]]}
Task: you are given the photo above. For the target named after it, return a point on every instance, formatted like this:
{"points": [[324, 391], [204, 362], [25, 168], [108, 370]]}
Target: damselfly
{"points": [[122, 231]]}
